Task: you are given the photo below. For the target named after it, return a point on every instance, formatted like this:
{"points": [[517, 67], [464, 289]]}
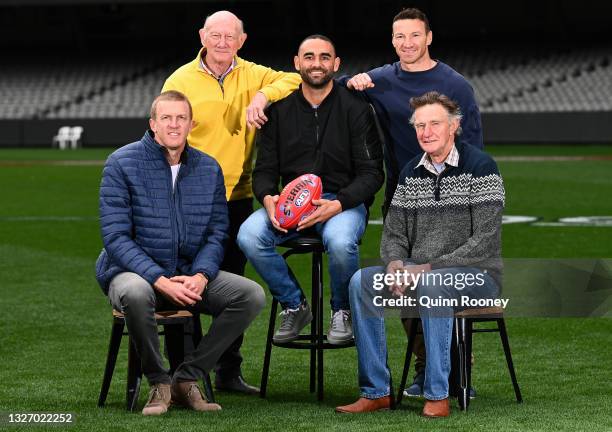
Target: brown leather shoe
{"points": [[364, 405], [189, 395], [159, 400], [436, 408]]}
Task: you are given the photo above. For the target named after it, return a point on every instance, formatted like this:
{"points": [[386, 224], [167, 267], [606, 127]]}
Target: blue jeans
{"points": [[340, 235], [369, 327]]}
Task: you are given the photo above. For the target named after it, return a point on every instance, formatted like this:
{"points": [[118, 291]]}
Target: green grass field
{"points": [[56, 322]]}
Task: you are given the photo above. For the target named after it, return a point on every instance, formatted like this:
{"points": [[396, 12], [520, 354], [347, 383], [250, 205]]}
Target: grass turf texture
{"points": [[56, 322]]}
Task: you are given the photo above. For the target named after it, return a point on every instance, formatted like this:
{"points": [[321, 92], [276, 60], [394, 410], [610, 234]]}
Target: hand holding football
{"points": [[295, 202]]}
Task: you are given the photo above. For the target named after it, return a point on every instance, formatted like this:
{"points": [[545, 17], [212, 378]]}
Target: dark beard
{"points": [[320, 83]]}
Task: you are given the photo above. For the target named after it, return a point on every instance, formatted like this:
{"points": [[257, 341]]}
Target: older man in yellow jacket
{"points": [[228, 95]]}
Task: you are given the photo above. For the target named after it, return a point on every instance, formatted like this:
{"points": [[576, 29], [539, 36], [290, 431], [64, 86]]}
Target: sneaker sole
{"points": [[334, 341], [284, 340]]}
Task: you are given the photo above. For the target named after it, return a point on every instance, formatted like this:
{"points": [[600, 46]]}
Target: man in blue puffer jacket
{"points": [[163, 215]]}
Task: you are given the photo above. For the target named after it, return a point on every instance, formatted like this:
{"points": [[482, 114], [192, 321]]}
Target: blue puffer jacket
{"points": [[149, 230]]}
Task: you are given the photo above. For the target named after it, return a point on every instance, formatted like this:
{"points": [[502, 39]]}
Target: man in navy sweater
{"points": [[389, 88], [164, 222]]}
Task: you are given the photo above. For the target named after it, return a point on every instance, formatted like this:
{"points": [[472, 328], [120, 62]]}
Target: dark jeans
{"points": [[228, 365], [234, 261]]}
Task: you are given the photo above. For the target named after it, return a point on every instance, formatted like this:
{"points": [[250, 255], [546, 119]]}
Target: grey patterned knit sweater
{"points": [[449, 220]]}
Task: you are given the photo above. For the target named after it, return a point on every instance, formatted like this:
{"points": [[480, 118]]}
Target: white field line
{"points": [[48, 218], [551, 158]]}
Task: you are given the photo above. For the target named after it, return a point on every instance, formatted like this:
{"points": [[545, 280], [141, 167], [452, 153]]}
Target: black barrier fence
{"points": [[499, 128], [96, 132]]}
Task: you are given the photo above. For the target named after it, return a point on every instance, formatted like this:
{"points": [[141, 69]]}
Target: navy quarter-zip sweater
{"points": [[391, 98], [151, 229]]}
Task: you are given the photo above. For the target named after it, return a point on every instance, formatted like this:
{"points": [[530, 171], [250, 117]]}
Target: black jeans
{"points": [[234, 261]]}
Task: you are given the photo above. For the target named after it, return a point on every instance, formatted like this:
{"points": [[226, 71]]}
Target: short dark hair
{"points": [[319, 36], [170, 95], [435, 98], [413, 13]]}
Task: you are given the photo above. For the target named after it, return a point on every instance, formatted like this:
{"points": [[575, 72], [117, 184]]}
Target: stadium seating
{"points": [[506, 80]]}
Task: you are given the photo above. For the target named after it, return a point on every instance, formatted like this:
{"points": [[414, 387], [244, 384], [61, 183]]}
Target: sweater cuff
{"points": [[438, 264], [270, 93], [209, 273], [260, 197], [387, 260]]}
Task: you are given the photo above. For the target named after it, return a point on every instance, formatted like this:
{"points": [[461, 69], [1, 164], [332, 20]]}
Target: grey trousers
{"points": [[232, 300]]}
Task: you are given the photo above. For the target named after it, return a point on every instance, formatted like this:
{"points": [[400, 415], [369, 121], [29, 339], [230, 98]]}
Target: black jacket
{"points": [[337, 141]]}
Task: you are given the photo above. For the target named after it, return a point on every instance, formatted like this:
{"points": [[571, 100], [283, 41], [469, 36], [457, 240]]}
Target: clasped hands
{"points": [[408, 276], [182, 290]]}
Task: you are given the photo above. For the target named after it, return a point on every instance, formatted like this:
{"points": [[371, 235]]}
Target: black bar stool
{"points": [[461, 374], [316, 341], [173, 322]]}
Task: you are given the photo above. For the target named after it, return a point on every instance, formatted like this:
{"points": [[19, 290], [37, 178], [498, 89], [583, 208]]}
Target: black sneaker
{"points": [[293, 321], [416, 388]]}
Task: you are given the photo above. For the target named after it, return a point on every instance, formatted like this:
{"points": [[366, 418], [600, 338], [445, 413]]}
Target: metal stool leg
{"points": [[111, 359], [317, 286], [315, 341], [413, 332], [504, 338], [314, 332], [134, 377], [266, 364], [208, 389], [463, 390], [465, 331]]}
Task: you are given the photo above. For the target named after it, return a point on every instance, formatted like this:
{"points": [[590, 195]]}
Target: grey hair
{"points": [[435, 98]]}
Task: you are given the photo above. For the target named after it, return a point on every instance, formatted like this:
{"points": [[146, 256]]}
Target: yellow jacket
{"points": [[220, 114]]}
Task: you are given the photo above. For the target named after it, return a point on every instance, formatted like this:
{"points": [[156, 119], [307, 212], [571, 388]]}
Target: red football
{"points": [[295, 201]]}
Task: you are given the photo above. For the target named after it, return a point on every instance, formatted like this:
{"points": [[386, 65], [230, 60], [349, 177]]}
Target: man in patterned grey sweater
{"points": [[442, 249]]}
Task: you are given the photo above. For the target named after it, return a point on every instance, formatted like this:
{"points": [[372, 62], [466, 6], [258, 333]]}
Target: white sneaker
{"points": [[340, 328]]}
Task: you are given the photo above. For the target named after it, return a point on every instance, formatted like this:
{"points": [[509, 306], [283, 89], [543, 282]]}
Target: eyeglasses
{"points": [[216, 37]]}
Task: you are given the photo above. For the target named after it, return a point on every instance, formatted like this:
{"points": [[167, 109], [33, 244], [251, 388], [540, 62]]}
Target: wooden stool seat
{"points": [[493, 312], [162, 315]]}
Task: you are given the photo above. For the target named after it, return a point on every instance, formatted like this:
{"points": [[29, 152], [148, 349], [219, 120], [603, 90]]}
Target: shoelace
{"points": [[155, 394], [289, 316], [193, 388], [338, 320]]}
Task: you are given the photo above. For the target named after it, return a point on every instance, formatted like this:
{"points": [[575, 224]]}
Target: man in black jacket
{"points": [[323, 129]]}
